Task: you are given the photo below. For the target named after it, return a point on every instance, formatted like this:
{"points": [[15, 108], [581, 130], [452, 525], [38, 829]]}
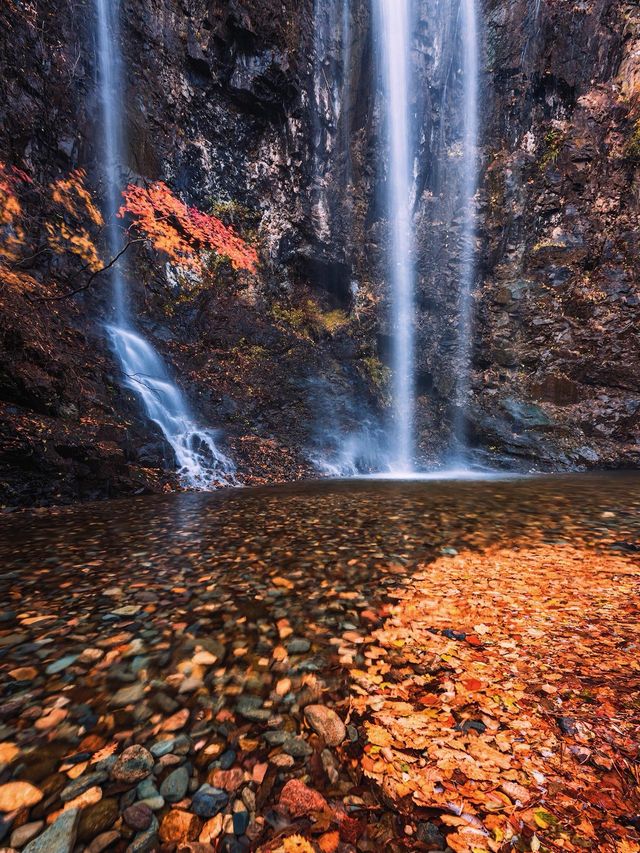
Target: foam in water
{"points": [[201, 465], [393, 36]]}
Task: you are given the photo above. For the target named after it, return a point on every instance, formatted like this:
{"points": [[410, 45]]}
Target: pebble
{"points": [[208, 801], [103, 841], [179, 826], [146, 841], [59, 665], [326, 723], [60, 837], [175, 785], [297, 747], [82, 783], [127, 696], [138, 816], [25, 833], [135, 764], [97, 818], [298, 646], [18, 795], [298, 800]]}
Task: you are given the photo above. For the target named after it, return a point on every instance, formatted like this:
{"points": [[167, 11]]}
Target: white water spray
{"points": [[393, 22], [201, 465]]}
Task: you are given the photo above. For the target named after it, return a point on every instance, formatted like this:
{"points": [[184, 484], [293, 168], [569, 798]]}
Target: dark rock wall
{"points": [[557, 352], [221, 104]]}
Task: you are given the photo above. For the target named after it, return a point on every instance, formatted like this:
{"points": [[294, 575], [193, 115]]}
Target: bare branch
{"points": [[93, 275]]}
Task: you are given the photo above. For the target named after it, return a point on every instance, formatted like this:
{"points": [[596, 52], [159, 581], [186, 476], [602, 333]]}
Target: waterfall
{"points": [[201, 465], [470, 77], [394, 33]]}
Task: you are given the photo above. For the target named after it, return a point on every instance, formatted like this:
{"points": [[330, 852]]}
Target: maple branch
{"points": [[94, 274]]}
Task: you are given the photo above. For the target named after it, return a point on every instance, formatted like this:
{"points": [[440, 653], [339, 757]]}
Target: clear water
{"points": [[201, 465]]}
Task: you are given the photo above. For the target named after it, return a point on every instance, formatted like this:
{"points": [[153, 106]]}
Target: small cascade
{"points": [[393, 21], [469, 182], [201, 465]]}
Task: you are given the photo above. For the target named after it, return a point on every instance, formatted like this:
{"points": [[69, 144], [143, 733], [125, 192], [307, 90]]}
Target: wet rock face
{"points": [[244, 108], [558, 291]]}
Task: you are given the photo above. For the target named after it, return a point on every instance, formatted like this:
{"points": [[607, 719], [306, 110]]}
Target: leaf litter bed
{"points": [[325, 668]]}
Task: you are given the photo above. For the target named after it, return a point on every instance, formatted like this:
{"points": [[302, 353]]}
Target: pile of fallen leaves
{"points": [[501, 696]]}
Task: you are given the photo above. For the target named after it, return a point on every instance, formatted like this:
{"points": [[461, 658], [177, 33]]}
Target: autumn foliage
{"points": [[184, 234], [11, 230], [66, 217], [502, 694], [76, 215]]}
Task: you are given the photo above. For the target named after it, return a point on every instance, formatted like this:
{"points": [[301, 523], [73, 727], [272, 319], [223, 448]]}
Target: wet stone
{"points": [[326, 723], [138, 816], [208, 801], [175, 785], [60, 837], [297, 747], [24, 834], [82, 783], [135, 764], [298, 646], [97, 818]]}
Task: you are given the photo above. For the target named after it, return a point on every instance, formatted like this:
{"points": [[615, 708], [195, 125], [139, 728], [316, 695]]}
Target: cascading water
{"points": [[470, 77], [201, 465], [394, 33]]}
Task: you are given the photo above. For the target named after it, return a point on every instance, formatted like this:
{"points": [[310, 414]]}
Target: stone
{"points": [[326, 723], [146, 841], [23, 673], [250, 707], [297, 747], [60, 837], [127, 696], [138, 816], [208, 801], [103, 841], [97, 819], [228, 780], [25, 833], [298, 800], [162, 747], [58, 665], [133, 765], [18, 795], [83, 783], [8, 751], [175, 785], [240, 821], [298, 646], [179, 826], [211, 830]]}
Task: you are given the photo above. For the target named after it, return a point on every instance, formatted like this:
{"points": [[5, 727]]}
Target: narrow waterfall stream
{"points": [[394, 32], [200, 463], [469, 180]]}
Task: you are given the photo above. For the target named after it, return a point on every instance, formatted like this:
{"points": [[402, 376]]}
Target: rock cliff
{"points": [[246, 109]]}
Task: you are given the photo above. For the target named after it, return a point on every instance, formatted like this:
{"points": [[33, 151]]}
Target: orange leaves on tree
{"points": [[184, 234], [75, 214], [11, 229]]}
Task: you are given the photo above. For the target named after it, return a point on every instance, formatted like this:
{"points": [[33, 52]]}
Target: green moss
{"points": [[332, 321], [376, 372], [553, 142], [308, 317], [632, 148]]}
